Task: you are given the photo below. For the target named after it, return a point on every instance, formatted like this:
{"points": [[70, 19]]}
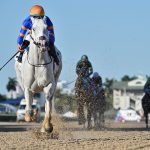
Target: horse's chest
{"points": [[42, 79]]}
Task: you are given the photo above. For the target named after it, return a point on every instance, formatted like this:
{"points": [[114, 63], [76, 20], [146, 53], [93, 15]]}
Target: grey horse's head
{"points": [[40, 35]]}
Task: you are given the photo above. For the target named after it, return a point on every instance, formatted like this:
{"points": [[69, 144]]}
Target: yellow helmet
{"points": [[37, 10]]}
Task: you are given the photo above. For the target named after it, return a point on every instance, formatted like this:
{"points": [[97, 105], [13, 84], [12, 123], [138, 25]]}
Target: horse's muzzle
{"points": [[42, 38]]}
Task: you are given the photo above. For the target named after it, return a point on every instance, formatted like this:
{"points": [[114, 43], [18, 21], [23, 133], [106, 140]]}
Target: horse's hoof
{"points": [[43, 130], [80, 123], [28, 117], [48, 130], [89, 127]]}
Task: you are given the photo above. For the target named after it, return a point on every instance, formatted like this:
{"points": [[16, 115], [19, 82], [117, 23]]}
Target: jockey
{"points": [[147, 87], [84, 63], [97, 79], [36, 11], [97, 82]]}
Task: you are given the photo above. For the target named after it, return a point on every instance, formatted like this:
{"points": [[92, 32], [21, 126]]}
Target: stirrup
{"points": [[56, 61]]}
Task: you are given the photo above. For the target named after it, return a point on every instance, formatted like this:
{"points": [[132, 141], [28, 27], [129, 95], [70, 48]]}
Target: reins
{"points": [[36, 43]]}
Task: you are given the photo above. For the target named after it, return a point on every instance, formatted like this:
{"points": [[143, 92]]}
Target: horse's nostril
{"points": [[46, 44], [42, 38]]}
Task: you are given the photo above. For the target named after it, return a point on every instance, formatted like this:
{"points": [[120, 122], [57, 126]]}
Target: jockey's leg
{"points": [[20, 57], [52, 52], [24, 46]]}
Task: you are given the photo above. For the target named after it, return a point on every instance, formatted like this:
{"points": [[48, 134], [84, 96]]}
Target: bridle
{"points": [[39, 46], [34, 42]]}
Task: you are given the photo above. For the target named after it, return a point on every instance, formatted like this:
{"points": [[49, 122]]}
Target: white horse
{"points": [[38, 72]]}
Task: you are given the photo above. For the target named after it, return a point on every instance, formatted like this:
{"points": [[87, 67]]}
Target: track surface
{"points": [[71, 136]]}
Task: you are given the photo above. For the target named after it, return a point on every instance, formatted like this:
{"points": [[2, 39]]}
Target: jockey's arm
{"points": [[50, 30], [90, 69], [27, 24], [78, 68]]}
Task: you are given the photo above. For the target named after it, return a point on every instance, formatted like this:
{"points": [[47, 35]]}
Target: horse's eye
{"points": [[33, 29]]}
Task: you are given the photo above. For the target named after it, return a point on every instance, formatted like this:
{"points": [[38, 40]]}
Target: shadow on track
{"points": [[12, 129], [15, 128], [109, 129], [128, 129]]}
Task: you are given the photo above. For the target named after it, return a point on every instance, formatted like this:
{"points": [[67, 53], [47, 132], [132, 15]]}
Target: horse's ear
{"points": [[33, 20], [44, 19]]}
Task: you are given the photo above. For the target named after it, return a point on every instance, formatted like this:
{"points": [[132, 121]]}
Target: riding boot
{"points": [[24, 46], [52, 52], [20, 57]]}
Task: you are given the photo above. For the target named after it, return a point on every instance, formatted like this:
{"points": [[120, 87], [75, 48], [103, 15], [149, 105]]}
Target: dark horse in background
{"points": [[84, 94], [146, 106], [98, 107]]}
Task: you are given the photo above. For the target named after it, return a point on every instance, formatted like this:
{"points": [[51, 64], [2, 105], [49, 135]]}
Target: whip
{"points": [[9, 60]]}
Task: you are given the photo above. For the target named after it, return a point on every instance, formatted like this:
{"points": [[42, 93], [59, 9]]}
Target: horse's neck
{"points": [[85, 83], [147, 96], [37, 57]]}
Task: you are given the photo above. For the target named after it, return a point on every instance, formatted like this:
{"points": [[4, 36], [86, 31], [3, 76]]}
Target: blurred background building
{"points": [[128, 94]]}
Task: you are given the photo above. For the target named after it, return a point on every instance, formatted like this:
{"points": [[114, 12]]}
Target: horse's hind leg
{"points": [[95, 119], [101, 119]]}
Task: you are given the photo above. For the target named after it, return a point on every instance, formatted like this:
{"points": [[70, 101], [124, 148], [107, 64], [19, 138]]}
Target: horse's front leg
{"points": [[29, 100], [89, 115], [49, 92], [80, 110], [95, 118], [146, 119]]}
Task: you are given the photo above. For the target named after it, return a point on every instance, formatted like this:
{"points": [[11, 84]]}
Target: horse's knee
{"points": [[47, 97]]}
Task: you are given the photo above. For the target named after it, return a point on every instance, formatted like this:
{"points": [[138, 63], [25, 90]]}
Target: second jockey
{"points": [[36, 11], [86, 64], [97, 80], [97, 83]]}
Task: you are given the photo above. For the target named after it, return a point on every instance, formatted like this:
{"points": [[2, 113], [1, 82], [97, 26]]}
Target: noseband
{"points": [[38, 44]]}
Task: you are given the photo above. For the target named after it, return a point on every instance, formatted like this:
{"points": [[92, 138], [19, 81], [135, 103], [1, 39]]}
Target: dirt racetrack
{"points": [[70, 136]]}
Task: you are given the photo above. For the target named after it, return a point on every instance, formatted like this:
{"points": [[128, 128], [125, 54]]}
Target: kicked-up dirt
{"points": [[70, 136]]}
